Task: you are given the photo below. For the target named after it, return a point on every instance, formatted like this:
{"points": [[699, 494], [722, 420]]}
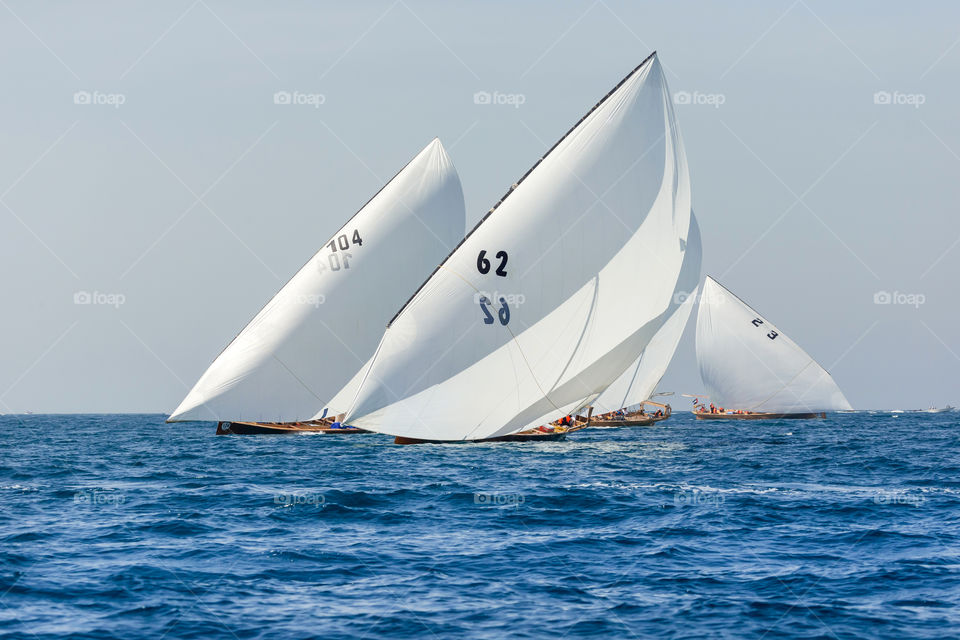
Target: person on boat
{"points": [[642, 412], [658, 413]]}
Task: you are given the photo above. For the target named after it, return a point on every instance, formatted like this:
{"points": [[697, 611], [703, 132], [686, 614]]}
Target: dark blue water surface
{"points": [[120, 526]]}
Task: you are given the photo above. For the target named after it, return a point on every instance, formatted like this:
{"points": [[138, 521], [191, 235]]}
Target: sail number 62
{"points": [[503, 314], [483, 265]]}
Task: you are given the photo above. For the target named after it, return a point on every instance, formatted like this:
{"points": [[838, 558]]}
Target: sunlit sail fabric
{"points": [[555, 292], [747, 363], [638, 382], [323, 326]]}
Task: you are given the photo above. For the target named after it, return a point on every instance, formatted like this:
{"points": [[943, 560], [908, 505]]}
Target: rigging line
{"points": [[785, 385], [583, 332], [764, 363], [633, 379], [536, 381], [297, 378]]}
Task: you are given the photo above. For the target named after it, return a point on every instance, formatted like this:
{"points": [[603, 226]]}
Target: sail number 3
{"points": [[757, 322]]}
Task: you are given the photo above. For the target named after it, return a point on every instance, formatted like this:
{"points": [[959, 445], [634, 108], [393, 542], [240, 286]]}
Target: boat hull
{"points": [[760, 416], [630, 421], [264, 428]]}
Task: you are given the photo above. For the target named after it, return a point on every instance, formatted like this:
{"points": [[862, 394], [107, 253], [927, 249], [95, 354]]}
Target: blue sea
{"points": [[121, 526]]}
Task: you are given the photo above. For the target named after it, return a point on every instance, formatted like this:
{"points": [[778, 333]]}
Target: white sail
{"points": [[747, 363], [555, 292], [638, 382], [321, 329]]}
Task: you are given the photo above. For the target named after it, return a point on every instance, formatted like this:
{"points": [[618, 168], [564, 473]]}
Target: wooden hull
{"points": [[630, 421], [760, 416], [266, 428], [633, 418]]}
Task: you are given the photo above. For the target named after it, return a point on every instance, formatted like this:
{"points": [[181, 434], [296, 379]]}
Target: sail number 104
{"points": [[339, 257]]}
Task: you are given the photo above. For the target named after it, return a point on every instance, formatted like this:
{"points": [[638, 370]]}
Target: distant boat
{"points": [[946, 409], [752, 370], [555, 293], [298, 363]]}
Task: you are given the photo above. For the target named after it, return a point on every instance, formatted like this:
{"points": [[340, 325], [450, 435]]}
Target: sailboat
{"points": [[555, 292], [623, 403], [297, 365], [946, 409], [752, 370]]}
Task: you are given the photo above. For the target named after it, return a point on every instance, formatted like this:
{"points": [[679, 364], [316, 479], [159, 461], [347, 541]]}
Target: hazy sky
{"points": [[188, 205]]}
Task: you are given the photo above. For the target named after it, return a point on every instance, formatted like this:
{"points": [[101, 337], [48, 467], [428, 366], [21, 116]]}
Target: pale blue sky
{"points": [[198, 196]]}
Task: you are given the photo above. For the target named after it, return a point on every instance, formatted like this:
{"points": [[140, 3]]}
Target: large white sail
{"points": [[638, 382], [747, 363], [555, 292], [323, 326]]}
